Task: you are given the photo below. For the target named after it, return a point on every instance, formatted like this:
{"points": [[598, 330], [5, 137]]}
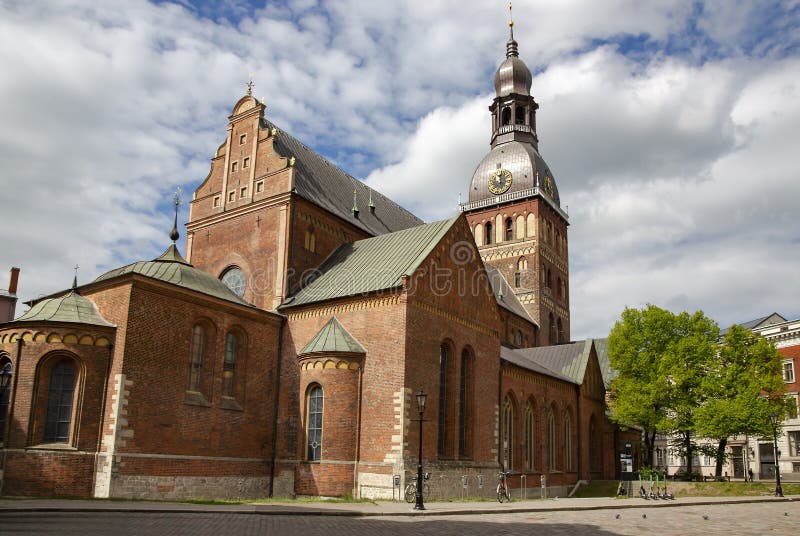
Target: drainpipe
{"points": [[578, 440], [500, 415], [275, 406]]}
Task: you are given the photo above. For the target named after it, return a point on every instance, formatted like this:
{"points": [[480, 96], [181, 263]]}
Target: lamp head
{"points": [[773, 418], [421, 399]]}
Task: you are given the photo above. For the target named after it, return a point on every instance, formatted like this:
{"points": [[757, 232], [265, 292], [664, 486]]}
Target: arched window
{"points": [[60, 392], [479, 234], [520, 116], [229, 365], [520, 227], [567, 442], [561, 335], [196, 353], [465, 405], [529, 437], [314, 423], [508, 434], [509, 230], [444, 357], [549, 279], [522, 264], [553, 333], [235, 280], [310, 240], [559, 288], [551, 441], [488, 234], [506, 118], [4, 360]]}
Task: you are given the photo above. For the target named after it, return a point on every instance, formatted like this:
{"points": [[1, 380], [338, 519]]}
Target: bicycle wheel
{"points": [[411, 493], [501, 493]]}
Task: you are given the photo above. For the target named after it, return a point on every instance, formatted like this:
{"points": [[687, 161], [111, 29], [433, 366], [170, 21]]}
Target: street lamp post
{"points": [[421, 397], [773, 418]]}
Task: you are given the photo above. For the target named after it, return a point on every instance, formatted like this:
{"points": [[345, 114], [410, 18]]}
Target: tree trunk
{"points": [[720, 457], [649, 447]]}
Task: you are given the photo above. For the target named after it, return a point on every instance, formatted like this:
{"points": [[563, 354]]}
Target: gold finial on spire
{"points": [[250, 85], [176, 199], [511, 20]]}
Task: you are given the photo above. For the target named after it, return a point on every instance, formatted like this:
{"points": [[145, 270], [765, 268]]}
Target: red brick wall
{"points": [[48, 473]]}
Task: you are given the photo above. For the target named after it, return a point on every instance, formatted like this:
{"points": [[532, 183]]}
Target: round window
{"points": [[234, 279]]}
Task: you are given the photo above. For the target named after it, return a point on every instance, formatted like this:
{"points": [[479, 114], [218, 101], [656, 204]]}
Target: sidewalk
{"points": [[382, 508]]}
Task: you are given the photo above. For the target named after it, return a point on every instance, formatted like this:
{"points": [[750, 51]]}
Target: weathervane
{"points": [[173, 235], [250, 85], [511, 20]]}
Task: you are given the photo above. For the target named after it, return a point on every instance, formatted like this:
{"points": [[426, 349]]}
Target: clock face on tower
{"points": [[500, 181]]}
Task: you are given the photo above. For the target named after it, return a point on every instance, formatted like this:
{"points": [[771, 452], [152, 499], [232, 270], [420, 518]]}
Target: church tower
{"points": [[514, 208]]}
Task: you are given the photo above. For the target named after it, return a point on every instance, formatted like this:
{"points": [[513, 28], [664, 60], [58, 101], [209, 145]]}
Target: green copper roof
{"points": [[569, 359], [172, 268], [372, 264], [333, 338], [71, 307]]}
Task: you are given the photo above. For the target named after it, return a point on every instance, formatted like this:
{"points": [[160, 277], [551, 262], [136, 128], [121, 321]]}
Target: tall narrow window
{"points": [[553, 332], [315, 424], [488, 234], [567, 442], [520, 116], [235, 166], [517, 279], [561, 335], [4, 360], [551, 441], [509, 229], [229, 365], [196, 352], [59, 402], [443, 357], [506, 118], [508, 434], [465, 405], [529, 464], [310, 240]]}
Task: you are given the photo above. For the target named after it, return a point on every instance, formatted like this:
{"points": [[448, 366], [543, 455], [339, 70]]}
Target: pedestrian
{"points": [[750, 473]]}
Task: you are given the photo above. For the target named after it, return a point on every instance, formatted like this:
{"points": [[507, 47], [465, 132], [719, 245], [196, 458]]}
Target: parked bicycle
{"points": [[503, 493], [411, 489]]}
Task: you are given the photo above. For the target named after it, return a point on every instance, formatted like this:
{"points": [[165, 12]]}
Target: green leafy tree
{"points": [[743, 386], [660, 359]]}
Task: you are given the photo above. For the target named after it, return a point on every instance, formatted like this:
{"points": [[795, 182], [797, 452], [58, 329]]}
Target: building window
{"points": [[4, 360], [314, 424], [234, 279], [506, 116], [443, 358], [246, 162], [465, 406], [791, 410], [553, 332], [243, 192], [196, 354], [310, 240], [509, 230], [794, 442], [522, 264], [242, 139], [259, 187], [518, 338], [561, 335], [216, 201], [229, 364], [529, 436], [235, 167], [567, 442], [551, 440], [508, 434], [517, 279], [231, 196], [59, 402], [796, 467], [788, 371], [488, 234]]}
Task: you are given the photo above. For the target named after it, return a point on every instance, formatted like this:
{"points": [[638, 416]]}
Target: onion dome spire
{"points": [[174, 235], [511, 45]]}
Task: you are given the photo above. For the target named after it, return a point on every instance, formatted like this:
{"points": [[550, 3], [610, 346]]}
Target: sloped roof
{"points": [[504, 294], [372, 264], [768, 320], [71, 307], [324, 184], [172, 268], [520, 358], [333, 338], [601, 348], [569, 360]]}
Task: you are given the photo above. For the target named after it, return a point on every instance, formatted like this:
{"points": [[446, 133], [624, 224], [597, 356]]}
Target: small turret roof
{"points": [[333, 338], [70, 307]]}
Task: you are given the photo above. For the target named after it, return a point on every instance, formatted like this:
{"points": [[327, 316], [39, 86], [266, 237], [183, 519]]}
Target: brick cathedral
{"points": [[281, 354]]}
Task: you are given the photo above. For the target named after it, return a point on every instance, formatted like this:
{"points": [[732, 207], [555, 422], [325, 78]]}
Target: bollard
{"points": [[543, 483], [523, 481]]}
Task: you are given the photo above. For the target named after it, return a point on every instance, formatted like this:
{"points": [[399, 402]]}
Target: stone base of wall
{"points": [[189, 487], [284, 482]]}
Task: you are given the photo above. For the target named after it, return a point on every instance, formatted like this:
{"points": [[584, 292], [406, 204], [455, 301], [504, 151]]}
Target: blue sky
{"points": [[671, 128]]}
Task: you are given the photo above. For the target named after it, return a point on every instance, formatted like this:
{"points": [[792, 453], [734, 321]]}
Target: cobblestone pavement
{"points": [[728, 519]]}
